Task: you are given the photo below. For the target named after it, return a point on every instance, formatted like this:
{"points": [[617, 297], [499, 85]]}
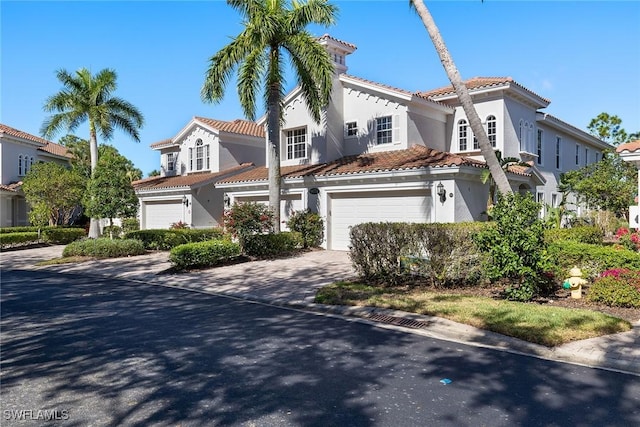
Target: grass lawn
{"points": [[65, 260], [540, 324]]}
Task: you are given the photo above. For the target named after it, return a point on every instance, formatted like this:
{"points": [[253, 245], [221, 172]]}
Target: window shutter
{"points": [[396, 128]]}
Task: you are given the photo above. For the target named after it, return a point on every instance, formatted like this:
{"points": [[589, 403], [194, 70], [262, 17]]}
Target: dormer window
{"points": [[351, 129], [171, 162], [462, 135], [200, 159], [297, 143]]}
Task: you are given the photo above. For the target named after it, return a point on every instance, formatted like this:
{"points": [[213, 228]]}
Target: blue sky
{"points": [[583, 56]]}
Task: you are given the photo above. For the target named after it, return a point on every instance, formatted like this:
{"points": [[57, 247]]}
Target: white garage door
{"points": [[288, 203], [348, 209], [162, 214]]}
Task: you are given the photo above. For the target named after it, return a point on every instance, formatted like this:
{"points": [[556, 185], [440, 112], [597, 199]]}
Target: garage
{"points": [[349, 209], [162, 214]]}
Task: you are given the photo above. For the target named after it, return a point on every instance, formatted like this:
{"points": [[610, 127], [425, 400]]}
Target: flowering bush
{"points": [[628, 239], [617, 287], [246, 219]]}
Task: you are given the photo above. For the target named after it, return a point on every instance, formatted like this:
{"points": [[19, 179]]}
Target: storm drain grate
{"points": [[398, 321]]}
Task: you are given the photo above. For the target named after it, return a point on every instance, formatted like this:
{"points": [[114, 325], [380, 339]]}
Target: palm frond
{"points": [[250, 77], [319, 12]]}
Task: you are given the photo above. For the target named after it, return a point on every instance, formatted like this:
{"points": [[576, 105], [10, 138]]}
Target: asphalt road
{"points": [[78, 351]]}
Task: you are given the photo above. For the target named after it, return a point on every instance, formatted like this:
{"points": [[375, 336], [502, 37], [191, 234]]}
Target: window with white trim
{"points": [[539, 147], [297, 143], [558, 142], [597, 156], [586, 156], [171, 162], [577, 154], [462, 135], [21, 167], [384, 130], [190, 159], [351, 129], [31, 163], [199, 155], [492, 130], [540, 200]]}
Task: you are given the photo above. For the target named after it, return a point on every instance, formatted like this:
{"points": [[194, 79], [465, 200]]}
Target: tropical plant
{"points": [[486, 175], [54, 193], [486, 148], [245, 219], [273, 28], [86, 97], [110, 193]]}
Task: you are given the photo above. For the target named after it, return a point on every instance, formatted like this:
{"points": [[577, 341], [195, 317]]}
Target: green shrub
{"points": [[310, 225], [517, 247], [23, 229], [581, 234], [104, 248], [130, 224], [166, 239], [621, 288], [391, 253], [203, 254], [62, 236], [17, 238], [273, 244], [591, 259]]}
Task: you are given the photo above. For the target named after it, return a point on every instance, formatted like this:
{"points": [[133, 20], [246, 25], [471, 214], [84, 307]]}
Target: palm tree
{"points": [[85, 97], [273, 28], [486, 149], [486, 175]]}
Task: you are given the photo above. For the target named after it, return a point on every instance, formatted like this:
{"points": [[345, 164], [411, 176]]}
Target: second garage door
{"points": [[162, 214], [349, 209]]}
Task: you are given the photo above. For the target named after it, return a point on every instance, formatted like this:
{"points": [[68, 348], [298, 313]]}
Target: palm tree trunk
{"points": [[273, 132], [94, 226], [486, 149]]}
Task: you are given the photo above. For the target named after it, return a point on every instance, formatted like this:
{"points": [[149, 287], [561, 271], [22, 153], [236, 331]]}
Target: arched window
{"points": [[462, 135], [20, 166], [492, 130], [31, 162]]}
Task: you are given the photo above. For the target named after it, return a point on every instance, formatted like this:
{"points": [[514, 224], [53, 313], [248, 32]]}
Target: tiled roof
{"points": [[162, 182], [328, 37], [13, 187], [239, 126], [519, 170], [168, 141], [49, 147], [478, 83], [631, 146], [416, 157]]}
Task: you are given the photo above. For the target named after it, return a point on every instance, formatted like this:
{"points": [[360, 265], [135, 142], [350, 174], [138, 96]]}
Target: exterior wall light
{"points": [[227, 200], [185, 201], [441, 192]]}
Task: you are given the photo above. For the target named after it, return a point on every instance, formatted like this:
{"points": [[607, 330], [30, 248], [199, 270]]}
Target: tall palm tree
{"points": [[273, 28], [505, 163], [86, 97], [486, 149]]}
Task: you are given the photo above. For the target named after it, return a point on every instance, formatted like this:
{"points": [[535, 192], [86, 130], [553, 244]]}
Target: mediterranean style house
{"points": [[18, 152], [379, 154]]}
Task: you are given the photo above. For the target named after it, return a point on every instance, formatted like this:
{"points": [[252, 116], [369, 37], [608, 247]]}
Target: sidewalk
{"points": [[292, 282]]}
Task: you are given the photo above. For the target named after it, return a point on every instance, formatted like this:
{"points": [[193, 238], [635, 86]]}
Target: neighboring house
{"points": [[18, 152], [202, 153], [386, 154]]}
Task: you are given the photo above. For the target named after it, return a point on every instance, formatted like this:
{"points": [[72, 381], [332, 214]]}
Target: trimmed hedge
{"points": [[273, 244], [104, 248], [22, 229], [17, 238], [591, 259], [167, 239], [203, 254], [393, 253], [618, 291], [582, 234], [62, 236], [310, 225]]}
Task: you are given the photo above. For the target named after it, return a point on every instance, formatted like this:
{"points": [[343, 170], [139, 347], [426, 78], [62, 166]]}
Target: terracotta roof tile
{"points": [[49, 147], [13, 187], [631, 146], [416, 157], [477, 83], [328, 37], [167, 141], [161, 182], [239, 126]]}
